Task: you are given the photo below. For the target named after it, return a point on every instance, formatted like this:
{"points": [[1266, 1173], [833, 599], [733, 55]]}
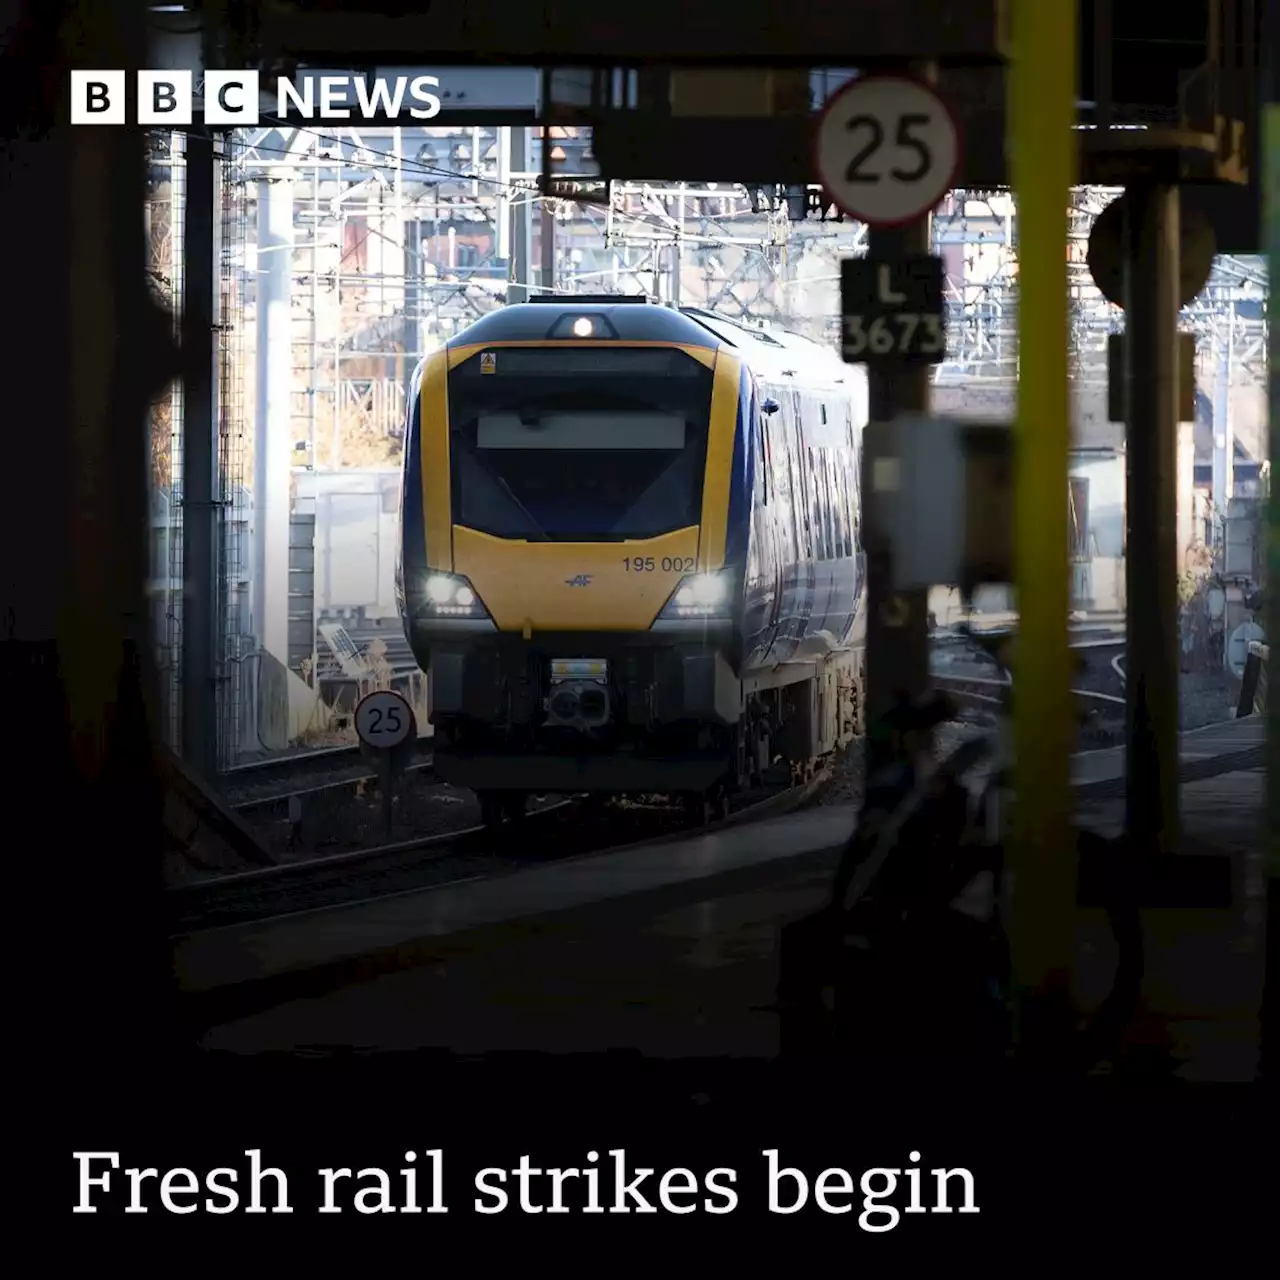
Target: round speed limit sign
{"points": [[886, 149], [383, 720]]}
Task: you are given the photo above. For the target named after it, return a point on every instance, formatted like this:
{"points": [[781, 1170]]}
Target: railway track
{"points": [[265, 783], [566, 829], [987, 690], [270, 781], [1103, 724], [1100, 674]]}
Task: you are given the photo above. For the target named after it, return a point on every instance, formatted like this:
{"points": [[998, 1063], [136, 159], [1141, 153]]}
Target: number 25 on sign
{"points": [[886, 149], [887, 335]]}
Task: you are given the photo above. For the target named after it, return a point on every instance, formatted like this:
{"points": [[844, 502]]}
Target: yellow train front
{"points": [[629, 556]]}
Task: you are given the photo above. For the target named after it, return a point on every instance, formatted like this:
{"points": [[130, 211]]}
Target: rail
{"points": [[295, 760], [364, 875], [269, 781], [958, 681], [1244, 760]]}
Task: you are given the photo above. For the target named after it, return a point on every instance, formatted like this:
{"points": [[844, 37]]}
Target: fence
{"points": [[165, 214]]}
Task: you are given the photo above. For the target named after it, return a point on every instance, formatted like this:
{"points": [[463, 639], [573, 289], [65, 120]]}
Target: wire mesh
{"points": [[164, 221], [165, 217]]}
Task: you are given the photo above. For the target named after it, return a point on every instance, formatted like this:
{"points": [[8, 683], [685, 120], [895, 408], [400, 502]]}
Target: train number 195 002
{"points": [[668, 564]]}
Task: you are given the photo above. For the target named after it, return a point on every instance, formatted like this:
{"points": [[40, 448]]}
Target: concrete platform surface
{"points": [[1197, 745], [673, 949], [251, 952]]}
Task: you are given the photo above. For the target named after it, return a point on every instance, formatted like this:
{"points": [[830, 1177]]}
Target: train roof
{"points": [[631, 318], [775, 352]]}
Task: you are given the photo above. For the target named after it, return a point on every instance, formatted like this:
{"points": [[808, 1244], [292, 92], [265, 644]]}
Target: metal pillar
{"points": [[677, 250], [1042, 865], [1188, 532], [548, 228], [520, 273], [897, 622], [548, 244], [1271, 830], [177, 396], [414, 298], [1224, 447], [201, 589], [273, 453], [502, 226], [313, 350], [393, 251], [1151, 552]]}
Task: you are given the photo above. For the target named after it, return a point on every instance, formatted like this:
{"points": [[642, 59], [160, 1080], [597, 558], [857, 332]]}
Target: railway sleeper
{"points": [[500, 807], [701, 808]]}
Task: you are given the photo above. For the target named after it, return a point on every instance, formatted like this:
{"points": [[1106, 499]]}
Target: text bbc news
{"points": [[235, 98]]}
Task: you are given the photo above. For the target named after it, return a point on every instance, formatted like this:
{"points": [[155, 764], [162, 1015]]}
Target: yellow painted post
{"points": [[1271, 831], [1042, 860], [1271, 240]]}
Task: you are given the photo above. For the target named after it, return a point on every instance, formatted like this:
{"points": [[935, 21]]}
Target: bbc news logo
{"points": [[235, 98]]}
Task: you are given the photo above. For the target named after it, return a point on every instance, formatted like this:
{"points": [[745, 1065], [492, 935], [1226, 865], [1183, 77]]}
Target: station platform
{"points": [[671, 950]]}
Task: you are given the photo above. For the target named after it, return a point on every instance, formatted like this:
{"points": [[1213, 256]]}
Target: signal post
{"points": [[1149, 259], [388, 733], [887, 150]]}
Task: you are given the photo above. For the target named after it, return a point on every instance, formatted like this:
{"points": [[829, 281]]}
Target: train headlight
{"points": [[450, 595], [441, 590], [701, 595]]}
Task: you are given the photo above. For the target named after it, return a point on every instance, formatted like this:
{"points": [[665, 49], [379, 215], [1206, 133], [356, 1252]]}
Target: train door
{"points": [[764, 592], [807, 606], [779, 520], [844, 579], [855, 506], [829, 563], [787, 522], [804, 486]]}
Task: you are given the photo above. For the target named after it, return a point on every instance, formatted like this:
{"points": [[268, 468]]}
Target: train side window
{"points": [[819, 504], [834, 515], [815, 505], [813, 488], [851, 490], [834, 508], [771, 425], [800, 485], [830, 517], [850, 514], [793, 465], [775, 450], [855, 514], [840, 512], [760, 443]]}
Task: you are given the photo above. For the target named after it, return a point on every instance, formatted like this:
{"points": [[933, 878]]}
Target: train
{"points": [[629, 557]]}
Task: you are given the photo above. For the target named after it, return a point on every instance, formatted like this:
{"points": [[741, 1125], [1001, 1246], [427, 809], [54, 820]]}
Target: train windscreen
{"points": [[578, 444]]}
